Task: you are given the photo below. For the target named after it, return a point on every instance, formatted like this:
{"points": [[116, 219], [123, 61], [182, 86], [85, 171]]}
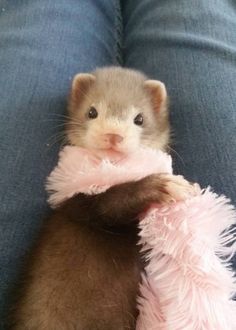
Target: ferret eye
{"points": [[92, 114], [138, 120]]}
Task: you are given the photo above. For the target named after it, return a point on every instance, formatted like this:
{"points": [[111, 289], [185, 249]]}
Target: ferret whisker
{"points": [[58, 126], [75, 123], [61, 141], [65, 120], [60, 133], [177, 154], [74, 132], [52, 120], [60, 115], [56, 138], [64, 123]]}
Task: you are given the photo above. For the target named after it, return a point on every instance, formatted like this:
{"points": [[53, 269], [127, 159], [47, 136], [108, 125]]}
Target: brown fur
{"points": [[84, 270]]}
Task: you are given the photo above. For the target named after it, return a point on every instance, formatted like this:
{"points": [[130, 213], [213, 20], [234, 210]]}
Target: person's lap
{"points": [[43, 44], [190, 47]]}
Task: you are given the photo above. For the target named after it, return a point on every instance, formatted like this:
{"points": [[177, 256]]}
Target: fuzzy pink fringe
{"points": [[79, 170], [188, 284]]}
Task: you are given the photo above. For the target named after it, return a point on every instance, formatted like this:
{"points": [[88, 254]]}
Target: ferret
{"points": [[83, 272]]}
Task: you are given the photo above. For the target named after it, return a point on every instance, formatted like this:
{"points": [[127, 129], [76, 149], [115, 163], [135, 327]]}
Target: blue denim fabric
{"points": [[43, 43], [190, 45]]}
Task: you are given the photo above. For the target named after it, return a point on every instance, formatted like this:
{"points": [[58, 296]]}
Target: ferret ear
{"points": [[157, 91], [79, 88]]}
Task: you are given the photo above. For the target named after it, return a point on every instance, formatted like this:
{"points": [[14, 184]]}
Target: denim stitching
{"points": [[118, 33]]}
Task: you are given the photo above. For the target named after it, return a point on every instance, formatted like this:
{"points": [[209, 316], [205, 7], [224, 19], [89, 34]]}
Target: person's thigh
{"points": [[191, 46], [43, 43]]}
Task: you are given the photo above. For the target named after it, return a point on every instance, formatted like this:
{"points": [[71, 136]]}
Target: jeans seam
{"points": [[118, 33]]}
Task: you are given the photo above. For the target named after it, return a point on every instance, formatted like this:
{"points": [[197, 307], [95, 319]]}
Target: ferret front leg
{"points": [[121, 204]]}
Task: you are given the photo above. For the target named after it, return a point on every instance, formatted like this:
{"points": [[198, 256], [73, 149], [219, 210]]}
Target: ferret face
{"points": [[119, 110]]}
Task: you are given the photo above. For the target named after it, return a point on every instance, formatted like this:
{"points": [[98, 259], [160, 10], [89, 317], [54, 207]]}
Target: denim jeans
{"points": [[190, 45]]}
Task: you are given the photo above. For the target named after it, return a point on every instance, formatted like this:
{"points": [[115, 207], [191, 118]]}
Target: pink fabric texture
{"points": [[188, 283]]}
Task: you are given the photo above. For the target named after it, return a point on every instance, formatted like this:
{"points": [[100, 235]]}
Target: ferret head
{"points": [[117, 109]]}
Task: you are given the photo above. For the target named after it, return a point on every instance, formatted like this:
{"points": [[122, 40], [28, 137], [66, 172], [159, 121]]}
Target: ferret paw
{"points": [[176, 188]]}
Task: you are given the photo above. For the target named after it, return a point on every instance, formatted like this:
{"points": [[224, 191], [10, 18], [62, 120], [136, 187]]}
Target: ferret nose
{"points": [[113, 138]]}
